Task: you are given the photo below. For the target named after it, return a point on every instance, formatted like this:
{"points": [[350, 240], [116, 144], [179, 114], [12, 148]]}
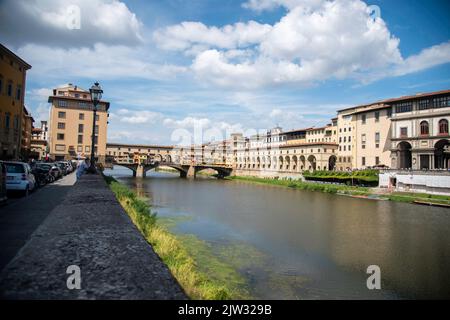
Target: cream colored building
{"points": [[70, 124]]}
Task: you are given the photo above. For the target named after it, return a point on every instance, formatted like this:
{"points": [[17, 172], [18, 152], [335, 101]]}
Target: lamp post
{"points": [[96, 95]]}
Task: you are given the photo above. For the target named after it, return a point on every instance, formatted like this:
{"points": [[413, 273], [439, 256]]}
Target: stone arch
{"points": [[312, 163], [442, 154], [302, 163], [280, 162], [332, 163], [405, 155], [294, 163], [287, 160]]}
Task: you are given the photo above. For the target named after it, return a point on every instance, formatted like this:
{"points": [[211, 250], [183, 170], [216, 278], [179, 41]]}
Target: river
{"points": [[293, 244]]}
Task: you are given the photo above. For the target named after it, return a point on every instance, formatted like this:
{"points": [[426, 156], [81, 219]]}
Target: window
{"points": [[424, 104], [441, 102], [96, 131], [16, 122], [363, 138], [403, 107], [97, 117], [80, 128], [403, 132], [377, 139], [443, 126], [87, 149], [60, 93], [60, 147], [424, 128], [1, 83], [363, 118], [95, 140], [80, 149], [10, 89], [61, 125], [60, 136], [80, 138], [363, 161], [61, 115], [18, 92], [377, 116], [7, 120], [81, 116], [389, 112], [63, 103], [377, 160]]}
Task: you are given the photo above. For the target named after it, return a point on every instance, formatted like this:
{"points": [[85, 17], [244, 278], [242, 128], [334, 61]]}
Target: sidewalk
{"points": [[91, 230], [19, 218]]}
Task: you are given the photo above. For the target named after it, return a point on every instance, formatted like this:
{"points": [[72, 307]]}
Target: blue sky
{"points": [[178, 68]]}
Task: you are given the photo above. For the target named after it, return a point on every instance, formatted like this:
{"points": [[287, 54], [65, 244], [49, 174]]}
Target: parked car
{"points": [[54, 169], [69, 166], [43, 175], [63, 167], [19, 177], [3, 196]]}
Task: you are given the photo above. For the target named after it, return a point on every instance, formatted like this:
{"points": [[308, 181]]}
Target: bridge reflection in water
{"points": [[185, 170]]}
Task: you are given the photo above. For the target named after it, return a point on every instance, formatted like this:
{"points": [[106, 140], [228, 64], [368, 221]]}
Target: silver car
{"points": [[19, 177]]}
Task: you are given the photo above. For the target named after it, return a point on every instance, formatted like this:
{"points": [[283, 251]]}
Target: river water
{"points": [[293, 244]]}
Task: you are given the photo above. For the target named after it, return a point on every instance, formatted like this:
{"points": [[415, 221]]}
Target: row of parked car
{"points": [[23, 177]]}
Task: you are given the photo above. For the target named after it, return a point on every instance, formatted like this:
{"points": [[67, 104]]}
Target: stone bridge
{"points": [[185, 170]]}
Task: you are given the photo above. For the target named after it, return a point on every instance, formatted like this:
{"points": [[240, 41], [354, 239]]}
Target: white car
{"points": [[19, 177]]}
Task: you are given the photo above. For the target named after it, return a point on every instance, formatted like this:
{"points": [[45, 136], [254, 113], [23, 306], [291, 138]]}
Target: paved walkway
{"points": [[20, 217], [91, 230]]}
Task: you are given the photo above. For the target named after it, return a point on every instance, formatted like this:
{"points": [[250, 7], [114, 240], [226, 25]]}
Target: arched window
{"points": [[443, 126], [424, 128]]}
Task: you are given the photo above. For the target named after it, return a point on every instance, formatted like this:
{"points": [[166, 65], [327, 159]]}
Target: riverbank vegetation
{"points": [[353, 178], [311, 186], [201, 275], [407, 197]]}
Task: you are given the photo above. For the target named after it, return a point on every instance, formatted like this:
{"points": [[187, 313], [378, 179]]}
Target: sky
{"points": [[181, 72]]}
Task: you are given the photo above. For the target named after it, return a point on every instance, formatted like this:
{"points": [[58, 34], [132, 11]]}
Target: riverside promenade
{"points": [[88, 229]]}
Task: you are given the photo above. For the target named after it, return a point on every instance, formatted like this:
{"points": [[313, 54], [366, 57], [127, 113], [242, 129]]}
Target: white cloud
{"points": [[47, 21], [100, 62], [316, 40], [196, 35], [136, 116], [262, 5]]}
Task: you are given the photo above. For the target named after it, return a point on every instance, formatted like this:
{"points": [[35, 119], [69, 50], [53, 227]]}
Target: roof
{"points": [[142, 146], [25, 64], [417, 95], [372, 108], [309, 144]]}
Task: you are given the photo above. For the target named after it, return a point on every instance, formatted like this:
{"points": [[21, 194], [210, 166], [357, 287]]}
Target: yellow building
{"points": [[27, 127], [12, 93], [70, 124]]}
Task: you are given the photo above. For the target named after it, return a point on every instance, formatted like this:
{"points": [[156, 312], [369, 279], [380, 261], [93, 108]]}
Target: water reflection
{"points": [[311, 245]]}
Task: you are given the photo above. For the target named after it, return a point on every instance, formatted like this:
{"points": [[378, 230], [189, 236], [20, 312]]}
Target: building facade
{"points": [[12, 94], [39, 137], [420, 136], [26, 136], [70, 124]]}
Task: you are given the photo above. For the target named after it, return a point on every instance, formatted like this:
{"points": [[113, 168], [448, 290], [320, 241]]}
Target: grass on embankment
{"points": [[196, 283], [295, 184], [348, 190]]}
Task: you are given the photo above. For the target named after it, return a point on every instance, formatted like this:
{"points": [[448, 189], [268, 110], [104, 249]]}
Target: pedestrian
{"points": [[81, 168]]}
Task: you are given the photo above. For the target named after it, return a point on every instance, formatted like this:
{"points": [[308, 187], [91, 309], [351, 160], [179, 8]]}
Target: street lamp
{"points": [[96, 95]]}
